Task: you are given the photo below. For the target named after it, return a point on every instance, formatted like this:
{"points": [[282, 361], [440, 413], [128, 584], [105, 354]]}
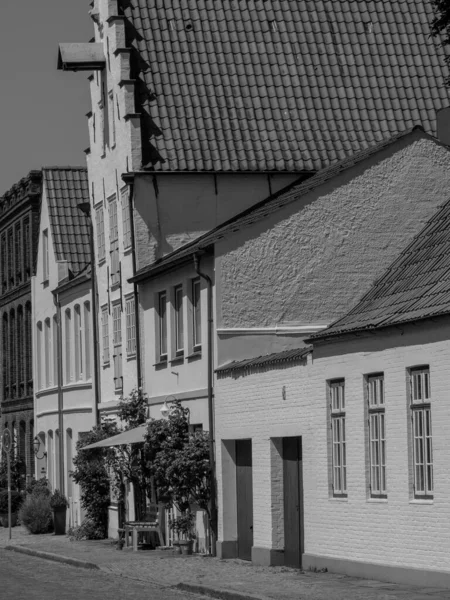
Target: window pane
{"points": [[162, 324], [179, 342], [196, 305]]}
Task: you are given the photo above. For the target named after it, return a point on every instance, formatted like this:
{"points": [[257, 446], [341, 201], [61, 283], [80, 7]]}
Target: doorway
{"points": [[293, 501], [244, 499]]}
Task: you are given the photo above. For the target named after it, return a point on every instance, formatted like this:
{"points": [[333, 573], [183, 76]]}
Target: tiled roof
{"points": [[267, 206], [268, 359], [416, 286], [284, 85], [66, 188]]}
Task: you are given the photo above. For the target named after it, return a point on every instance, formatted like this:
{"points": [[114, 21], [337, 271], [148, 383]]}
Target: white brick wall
{"points": [[400, 531]]}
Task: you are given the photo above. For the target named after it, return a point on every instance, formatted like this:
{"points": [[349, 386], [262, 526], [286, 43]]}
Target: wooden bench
{"points": [[136, 527]]}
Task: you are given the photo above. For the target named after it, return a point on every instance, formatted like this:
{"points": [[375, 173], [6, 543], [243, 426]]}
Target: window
{"points": [[18, 250], [68, 328], [422, 455], [78, 337], [105, 334], [27, 257], [338, 452], [178, 320], [6, 356], [87, 338], [39, 355], [125, 197], [10, 257], [47, 352], [100, 224], [114, 242], [45, 255], [196, 316], [377, 436], [20, 337], [4, 259], [55, 350], [162, 325], [117, 342], [12, 348], [131, 326], [112, 121]]}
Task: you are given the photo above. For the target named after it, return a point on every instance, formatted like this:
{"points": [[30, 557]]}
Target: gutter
{"points": [[213, 534]]}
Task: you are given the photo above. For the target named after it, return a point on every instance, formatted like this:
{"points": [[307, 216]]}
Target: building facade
{"points": [[62, 325], [380, 414], [19, 222]]}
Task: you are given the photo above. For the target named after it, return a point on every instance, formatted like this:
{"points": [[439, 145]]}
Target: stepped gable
{"points": [[66, 188], [285, 85]]}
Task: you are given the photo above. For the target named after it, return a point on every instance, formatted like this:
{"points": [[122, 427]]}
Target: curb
{"points": [[218, 593], [54, 557]]}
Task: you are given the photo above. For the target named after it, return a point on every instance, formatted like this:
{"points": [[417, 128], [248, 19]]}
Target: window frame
{"points": [[420, 401], [337, 412], [114, 240], [68, 345], [126, 218], [196, 315], [106, 353], [117, 345], [100, 224], [45, 258], [78, 339], [376, 435], [162, 326], [130, 311], [178, 320]]}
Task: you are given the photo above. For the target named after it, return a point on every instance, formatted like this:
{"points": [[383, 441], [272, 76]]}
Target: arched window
{"points": [[28, 353], [55, 350], [68, 344], [69, 462], [50, 459], [39, 355], [21, 351], [6, 355], [31, 449], [47, 353], [87, 339], [78, 338], [12, 350]]}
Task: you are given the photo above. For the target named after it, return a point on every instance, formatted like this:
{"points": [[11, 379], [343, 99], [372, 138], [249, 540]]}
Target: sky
{"points": [[42, 110]]}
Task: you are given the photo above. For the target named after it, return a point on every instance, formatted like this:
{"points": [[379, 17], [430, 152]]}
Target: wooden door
{"points": [[244, 498], [293, 501]]}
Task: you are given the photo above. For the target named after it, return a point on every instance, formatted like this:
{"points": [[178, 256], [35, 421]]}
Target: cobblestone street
{"points": [[162, 568]]}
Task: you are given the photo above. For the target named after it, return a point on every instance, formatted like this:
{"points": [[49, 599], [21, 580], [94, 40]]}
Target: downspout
{"points": [[136, 291], [210, 406], [57, 302]]}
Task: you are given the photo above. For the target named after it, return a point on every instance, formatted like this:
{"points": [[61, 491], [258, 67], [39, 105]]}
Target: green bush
{"points": [[39, 486], [58, 500], [88, 530], [35, 513], [16, 501]]}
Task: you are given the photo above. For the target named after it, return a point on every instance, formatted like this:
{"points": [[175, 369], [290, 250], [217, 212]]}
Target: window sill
{"points": [[45, 282], [106, 364], [78, 385], [115, 285], [101, 261], [425, 501], [160, 363], [338, 498], [377, 500], [127, 250], [131, 356], [194, 355], [177, 359]]}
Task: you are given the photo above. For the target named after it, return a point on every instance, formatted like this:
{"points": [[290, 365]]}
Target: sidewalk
{"points": [[228, 579]]}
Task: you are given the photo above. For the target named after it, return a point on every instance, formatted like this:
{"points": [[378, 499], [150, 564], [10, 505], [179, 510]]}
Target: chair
{"points": [[152, 522]]}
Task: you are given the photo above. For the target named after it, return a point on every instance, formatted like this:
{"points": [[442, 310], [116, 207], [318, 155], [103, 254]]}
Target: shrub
{"points": [[39, 486], [58, 500], [16, 501], [36, 514], [88, 530]]}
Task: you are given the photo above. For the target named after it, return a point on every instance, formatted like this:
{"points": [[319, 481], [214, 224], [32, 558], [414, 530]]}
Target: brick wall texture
{"points": [[399, 531]]}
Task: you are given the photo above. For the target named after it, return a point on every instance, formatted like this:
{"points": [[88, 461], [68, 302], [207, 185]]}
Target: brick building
{"points": [[19, 223], [376, 484]]}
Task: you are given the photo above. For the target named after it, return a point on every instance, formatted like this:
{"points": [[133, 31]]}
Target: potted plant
{"points": [[183, 526], [59, 504], [16, 501]]}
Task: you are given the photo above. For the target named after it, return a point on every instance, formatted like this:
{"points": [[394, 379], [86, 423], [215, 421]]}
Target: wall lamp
{"points": [[37, 446]]}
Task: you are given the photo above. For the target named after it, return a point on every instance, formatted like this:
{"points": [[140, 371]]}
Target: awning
{"points": [[132, 436]]}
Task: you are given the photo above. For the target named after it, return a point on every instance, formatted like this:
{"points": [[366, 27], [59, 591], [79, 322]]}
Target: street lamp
{"points": [[36, 448], [165, 410]]}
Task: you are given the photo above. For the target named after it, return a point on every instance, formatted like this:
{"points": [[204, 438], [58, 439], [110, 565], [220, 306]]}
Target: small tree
{"points": [[18, 471], [92, 475], [179, 461]]}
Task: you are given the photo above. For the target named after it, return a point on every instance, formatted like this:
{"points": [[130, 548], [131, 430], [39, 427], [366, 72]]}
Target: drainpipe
{"points": [[136, 292], [208, 280], [57, 302]]}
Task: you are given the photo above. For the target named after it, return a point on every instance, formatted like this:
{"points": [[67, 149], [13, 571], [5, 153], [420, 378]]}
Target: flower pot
{"points": [[4, 519], [59, 520], [176, 547], [186, 546]]}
